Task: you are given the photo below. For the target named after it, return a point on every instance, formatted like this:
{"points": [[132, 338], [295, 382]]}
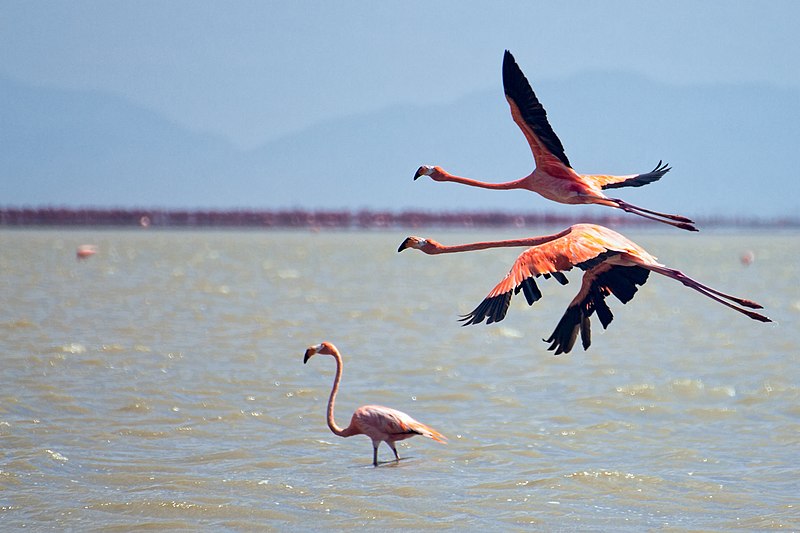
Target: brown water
{"points": [[160, 385]]}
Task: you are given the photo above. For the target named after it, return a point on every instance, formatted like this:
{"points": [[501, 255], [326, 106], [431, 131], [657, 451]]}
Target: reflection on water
{"points": [[159, 384]]}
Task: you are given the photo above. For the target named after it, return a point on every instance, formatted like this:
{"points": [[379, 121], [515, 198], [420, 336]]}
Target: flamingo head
{"points": [[414, 242], [326, 348], [424, 170]]}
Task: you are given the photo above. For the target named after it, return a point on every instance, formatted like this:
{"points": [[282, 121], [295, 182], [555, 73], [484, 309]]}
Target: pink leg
{"points": [[623, 204], [713, 293], [680, 221], [397, 457]]}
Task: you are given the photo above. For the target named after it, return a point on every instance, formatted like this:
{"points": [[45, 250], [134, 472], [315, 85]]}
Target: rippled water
{"points": [[160, 385]]}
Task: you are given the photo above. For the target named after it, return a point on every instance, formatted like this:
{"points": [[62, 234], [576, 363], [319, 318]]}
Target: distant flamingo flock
{"points": [[611, 263]]}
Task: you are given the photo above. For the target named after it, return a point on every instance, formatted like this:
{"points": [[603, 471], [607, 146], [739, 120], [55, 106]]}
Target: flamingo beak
{"points": [[406, 244], [312, 350], [420, 172]]}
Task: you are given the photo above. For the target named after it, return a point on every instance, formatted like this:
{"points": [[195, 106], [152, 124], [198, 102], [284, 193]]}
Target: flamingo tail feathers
{"points": [[427, 431]]}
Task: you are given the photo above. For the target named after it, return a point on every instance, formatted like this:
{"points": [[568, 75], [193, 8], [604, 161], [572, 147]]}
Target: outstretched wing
{"points": [[631, 180], [582, 246], [530, 116], [598, 282]]}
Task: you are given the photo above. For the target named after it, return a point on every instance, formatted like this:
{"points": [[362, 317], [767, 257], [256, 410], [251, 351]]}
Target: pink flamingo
{"points": [[612, 264], [554, 177], [381, 424], [85, 251]]}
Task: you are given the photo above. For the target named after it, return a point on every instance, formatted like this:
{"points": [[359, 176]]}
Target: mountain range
{"points": [[730, 148]]}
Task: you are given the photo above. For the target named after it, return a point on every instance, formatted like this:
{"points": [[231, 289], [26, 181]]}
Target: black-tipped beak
{"points": [[420, 172], [308, 355], [406, 244]]}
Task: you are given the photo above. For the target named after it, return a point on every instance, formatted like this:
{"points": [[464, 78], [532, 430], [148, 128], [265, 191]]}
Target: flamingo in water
{"points": [[554, 177], [612, 264], [381, 424]]}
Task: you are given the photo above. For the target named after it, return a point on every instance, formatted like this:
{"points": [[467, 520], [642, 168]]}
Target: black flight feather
{"points": [[518, 89]]}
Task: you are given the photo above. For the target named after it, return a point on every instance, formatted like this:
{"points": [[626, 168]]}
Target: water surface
{"points": [[160, 385]]}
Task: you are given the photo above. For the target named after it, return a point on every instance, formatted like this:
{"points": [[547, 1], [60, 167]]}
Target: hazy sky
{"points": [[253, 71]]}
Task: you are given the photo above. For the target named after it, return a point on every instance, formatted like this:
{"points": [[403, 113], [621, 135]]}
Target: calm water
{"points": [[160, 385]]}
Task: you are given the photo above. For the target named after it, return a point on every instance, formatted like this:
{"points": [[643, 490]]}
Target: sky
{"points": [[254, 71]]}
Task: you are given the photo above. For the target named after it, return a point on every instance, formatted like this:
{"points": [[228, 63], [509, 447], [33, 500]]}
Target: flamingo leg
{"points": [[741, 301], [679, 221], [751, 314], [623, 204], [397, 457], [713, 293], [375, 454]]}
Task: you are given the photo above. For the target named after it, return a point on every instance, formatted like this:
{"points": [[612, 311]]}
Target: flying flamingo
{"points": [[612, 264], [381, 424], [554, 177]]}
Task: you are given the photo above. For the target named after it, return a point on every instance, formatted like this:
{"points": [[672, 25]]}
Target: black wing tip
{"points": [[530, 290], [620, 281], [563, 338], [469, 319], [560, 277], [510, 71], [518, 89], [660, 169], [624, 281], [557, 275], [642, 179], [492, 309]]}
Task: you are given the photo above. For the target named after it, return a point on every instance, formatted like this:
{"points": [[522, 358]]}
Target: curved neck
{"points": [[331, 422], [437, 248], [516, 184]]}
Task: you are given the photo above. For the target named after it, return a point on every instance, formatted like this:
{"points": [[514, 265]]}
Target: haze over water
{"points": [[160, 385]]}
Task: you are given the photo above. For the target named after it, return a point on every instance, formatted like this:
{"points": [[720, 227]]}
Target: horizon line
{"points": [[338, 218]]}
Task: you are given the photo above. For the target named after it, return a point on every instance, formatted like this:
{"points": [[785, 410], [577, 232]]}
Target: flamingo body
{"points": [[612, 264], [379, 423], [384, 424], [554, 178]]}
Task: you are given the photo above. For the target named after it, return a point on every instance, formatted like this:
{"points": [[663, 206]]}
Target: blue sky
{"points": [[255, 71]]}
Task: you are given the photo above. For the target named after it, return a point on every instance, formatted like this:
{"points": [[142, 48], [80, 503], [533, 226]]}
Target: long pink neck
{"points": [[331, 422], [434, 247], [516, 184]]}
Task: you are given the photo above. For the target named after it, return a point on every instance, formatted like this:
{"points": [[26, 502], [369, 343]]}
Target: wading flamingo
{"points": [[381, 424], [554, 177], [612, 264]]}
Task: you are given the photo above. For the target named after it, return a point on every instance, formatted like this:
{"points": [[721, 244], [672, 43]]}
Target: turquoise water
{"points": [[160, 385]]}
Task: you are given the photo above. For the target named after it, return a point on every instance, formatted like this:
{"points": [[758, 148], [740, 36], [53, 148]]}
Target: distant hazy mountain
{"points": [[732, 149]]}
